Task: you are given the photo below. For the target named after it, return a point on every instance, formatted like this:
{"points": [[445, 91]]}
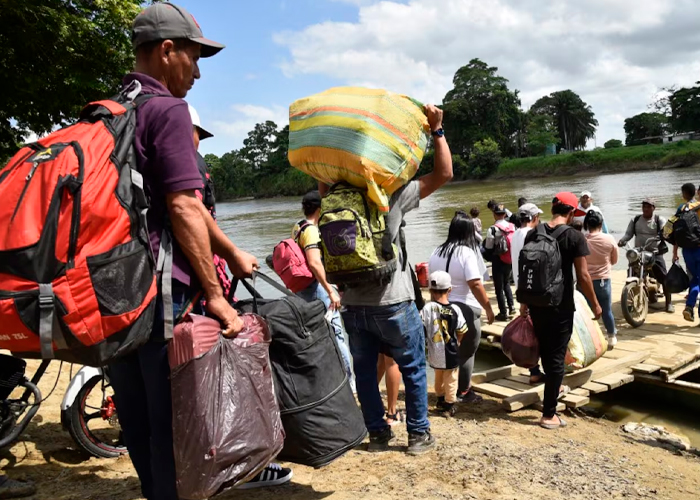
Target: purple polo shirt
{"points": [[167, 160]]}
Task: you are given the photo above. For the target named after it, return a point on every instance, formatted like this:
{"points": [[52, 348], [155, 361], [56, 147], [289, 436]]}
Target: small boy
{"points": [[444, 328], [474, 213]]}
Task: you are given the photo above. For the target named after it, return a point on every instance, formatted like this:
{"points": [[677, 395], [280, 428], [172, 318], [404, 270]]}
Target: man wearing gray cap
{"points": [[641, 228], [168, 44]]}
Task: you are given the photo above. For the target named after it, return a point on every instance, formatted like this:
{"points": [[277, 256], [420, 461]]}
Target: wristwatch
{"points": [[439, 132]]}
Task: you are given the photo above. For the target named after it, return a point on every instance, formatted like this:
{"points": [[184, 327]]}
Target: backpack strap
{"points": [[165, 269], [559, 231], [636, 219], [303, 224]]}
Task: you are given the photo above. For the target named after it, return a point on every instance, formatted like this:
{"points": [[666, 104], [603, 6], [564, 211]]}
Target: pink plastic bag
{"points": [[520, 344], [226, 419]]}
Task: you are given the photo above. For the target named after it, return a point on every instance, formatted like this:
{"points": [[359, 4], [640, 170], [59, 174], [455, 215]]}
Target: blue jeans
{"points": [[141, 382], [603, 292], [316, 292], [400, 329], [692, 262]]}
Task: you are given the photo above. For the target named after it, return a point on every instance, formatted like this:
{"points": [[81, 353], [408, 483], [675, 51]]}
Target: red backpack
{"points": [[289, 261], [77, 276], [506, 234]]}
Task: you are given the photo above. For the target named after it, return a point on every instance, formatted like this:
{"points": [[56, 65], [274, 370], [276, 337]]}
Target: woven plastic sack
{"points": [[520, 344], [226, 420], [587, 342], [372, 139]]}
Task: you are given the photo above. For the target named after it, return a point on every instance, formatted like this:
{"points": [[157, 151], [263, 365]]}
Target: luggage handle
{"points": [[252, 290]]}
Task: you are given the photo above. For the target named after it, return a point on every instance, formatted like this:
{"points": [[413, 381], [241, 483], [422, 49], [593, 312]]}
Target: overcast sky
{"points": [[615, 54]]}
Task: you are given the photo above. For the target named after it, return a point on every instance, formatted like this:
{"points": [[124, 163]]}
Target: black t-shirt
{"points": [[572, 244]]}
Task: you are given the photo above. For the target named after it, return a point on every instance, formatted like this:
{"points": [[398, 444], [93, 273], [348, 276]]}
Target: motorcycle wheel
{"points": [[92, 421], [634, 304]]}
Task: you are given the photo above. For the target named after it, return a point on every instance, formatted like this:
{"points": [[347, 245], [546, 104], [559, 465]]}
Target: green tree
{"points": [[541, 132], [639, 128], [260, 144], [484, 158], [56, 56], [574, 118], [480, 106], [613, 143], [685, 109]]}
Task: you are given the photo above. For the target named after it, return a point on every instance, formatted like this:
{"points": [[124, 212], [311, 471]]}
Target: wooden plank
{"points": [[495, 374], [616, 354], [600, 368], [595, 388], [523, 379], [574, 401], [581, 392], [495, 390], [680, 385], [511, 384], [681, 371], [645, 368], [560, 406], [615, 380]]}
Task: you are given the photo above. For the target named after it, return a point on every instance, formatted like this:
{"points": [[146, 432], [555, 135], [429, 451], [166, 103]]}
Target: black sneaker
{"points": [[511, 313], [272, 475], [440, 405], [10, 488], [379, 441], [449, 410], [469, 397], [420, 443], [502, 317], [689, 314]]}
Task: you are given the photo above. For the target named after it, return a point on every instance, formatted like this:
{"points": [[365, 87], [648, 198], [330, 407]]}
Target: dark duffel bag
{"points": [[319, 414], [676, 280]]}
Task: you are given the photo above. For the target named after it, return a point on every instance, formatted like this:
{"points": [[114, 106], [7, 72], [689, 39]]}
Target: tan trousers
{"points": [[446, 382]]}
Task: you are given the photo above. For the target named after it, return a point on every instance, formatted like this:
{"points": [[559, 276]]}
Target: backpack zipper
{"points": [[8, 169], [27, 180]]}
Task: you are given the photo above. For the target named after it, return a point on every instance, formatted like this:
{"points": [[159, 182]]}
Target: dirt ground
{"points": [[483, 453]]}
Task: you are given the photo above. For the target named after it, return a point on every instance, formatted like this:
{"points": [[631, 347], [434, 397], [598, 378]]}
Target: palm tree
{"points": [[574, 118]]}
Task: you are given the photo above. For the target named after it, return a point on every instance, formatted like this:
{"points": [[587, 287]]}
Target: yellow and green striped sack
{"points": [[371, 139]]}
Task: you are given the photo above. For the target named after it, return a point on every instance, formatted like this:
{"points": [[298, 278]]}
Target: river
{"points": [[258, 225]]}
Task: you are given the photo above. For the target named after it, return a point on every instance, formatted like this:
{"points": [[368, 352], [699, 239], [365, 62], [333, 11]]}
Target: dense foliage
{"points": [[56, 56]]}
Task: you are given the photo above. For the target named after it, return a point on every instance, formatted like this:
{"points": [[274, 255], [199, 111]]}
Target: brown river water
{"points": [[258, 225]]}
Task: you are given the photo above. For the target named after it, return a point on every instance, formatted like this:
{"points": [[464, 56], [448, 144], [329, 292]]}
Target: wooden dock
{"points": [[660, 352]]}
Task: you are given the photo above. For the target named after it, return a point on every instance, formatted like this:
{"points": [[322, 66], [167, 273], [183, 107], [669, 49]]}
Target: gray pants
{"points": [[469, 345]]}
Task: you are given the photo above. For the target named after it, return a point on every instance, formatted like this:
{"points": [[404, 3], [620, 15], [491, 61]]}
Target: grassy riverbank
{"points": [[651, 157]]}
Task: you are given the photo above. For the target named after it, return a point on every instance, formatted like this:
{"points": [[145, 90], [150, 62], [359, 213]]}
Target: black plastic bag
{"points": [[677, 280]]}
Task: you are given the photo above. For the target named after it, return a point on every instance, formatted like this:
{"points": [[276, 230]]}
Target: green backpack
{"points": [[351, 230]]}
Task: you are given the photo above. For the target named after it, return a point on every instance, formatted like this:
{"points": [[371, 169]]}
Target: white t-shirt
{"points": [[515, 247], [466, 265]]}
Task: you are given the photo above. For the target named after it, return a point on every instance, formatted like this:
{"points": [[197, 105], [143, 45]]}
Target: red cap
{"points": [[570, 199]]}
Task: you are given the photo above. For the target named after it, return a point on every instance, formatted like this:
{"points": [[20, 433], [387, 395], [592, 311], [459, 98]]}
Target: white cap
{"points": [[440, 280], [586, 193], [529, 210], [203, 134]]}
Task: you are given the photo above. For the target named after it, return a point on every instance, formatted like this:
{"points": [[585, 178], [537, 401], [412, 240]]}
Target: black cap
{"points": [[499, 210], [167, 21], [311, 200]]}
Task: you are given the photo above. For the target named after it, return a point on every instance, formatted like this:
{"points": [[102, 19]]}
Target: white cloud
{"points": [[614, 53], [234, 125]]}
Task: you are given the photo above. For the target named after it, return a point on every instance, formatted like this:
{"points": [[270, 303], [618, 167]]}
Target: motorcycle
{"points": [[88, 411], [640, 288]]}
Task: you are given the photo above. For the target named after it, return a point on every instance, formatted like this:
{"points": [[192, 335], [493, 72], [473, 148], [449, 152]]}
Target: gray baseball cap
{"points": [[167, 21]]}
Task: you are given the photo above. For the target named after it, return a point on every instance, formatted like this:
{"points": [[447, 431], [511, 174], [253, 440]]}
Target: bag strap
{"points": [[302, 227], [254, 292], [165, 269], [559, 231]]}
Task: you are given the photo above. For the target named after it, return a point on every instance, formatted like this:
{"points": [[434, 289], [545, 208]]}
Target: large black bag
{"points": [[686, 228], [676, 280], [319, 414], [541, 280]]}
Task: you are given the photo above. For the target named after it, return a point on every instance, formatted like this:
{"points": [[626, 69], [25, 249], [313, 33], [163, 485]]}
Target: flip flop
{"points": [[562, 423], [565, 389]]}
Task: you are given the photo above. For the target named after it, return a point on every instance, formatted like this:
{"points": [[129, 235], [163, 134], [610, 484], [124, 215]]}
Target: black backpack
{"points": [[686, 228], [541, 279]]}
